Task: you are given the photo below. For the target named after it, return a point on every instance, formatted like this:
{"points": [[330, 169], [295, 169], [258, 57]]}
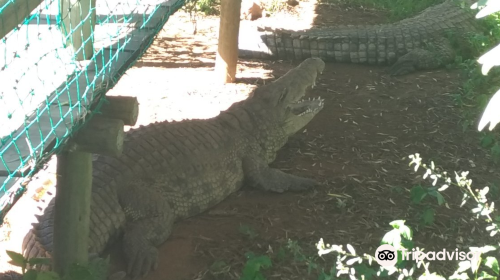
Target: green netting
{"points": [[46, 92]]}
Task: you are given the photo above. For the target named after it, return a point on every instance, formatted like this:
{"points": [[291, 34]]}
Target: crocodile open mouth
{"points": [[308, 106]]}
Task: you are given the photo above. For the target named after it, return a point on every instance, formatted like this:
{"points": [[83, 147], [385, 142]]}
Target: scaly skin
{"points": [[171, 171], [411, 44]]}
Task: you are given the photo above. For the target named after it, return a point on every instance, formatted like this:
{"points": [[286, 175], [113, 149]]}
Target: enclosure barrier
{"points": [[57, 60]]}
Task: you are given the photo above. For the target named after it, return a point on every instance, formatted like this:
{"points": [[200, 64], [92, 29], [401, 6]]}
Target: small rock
{"points": [[251, 9]]}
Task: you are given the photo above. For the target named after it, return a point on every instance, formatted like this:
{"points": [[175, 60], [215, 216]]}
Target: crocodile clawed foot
{"points": [[142, 261]]}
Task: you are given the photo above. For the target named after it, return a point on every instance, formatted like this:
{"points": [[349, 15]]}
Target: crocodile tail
{"points": [[38, 242]]}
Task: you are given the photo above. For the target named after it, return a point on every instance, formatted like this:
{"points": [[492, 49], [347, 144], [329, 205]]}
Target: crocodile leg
{"points": [[259, 175], [149, 223], [437, 55]]}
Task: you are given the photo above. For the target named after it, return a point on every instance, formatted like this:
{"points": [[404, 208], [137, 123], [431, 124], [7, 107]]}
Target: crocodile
{"points": [[417, 43], [170, 171]]}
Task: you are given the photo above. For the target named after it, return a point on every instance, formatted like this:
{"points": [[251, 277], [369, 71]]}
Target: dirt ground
{"points": [[356, 148]]}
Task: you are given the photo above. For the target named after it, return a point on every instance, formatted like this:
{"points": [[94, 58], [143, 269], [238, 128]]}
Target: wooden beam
{"points": [[15, 13], [72, 209], [125, 108], [101, 136], [227, 52], [73, 12]]}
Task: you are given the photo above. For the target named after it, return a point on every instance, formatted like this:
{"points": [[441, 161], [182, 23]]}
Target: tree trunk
{"points": [[227, 54]]}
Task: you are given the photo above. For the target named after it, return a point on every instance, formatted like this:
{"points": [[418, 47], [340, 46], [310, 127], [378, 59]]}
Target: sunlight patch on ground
{"points": [[301, 17], [174, 94]]}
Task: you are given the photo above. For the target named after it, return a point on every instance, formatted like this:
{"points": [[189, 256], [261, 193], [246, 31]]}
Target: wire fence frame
{"points": [[82, 93]]}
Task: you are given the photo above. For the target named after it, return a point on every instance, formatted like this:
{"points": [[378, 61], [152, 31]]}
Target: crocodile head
{"points": [[301, 113], [285, 96], [279, 109]]}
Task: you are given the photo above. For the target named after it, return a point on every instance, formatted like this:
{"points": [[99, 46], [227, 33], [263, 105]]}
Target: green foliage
{"points": [[208, 7], [248, 231], [96, 269], [477, 88], [276, 6], [428, 216], [486, 266], [253, 266]]}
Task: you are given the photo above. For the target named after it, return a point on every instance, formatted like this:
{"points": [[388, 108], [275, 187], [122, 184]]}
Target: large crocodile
{"points": [[171, 171], [414, 43]]}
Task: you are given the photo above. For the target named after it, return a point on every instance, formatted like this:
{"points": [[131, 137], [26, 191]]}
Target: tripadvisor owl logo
{"points": [[386, 255]]}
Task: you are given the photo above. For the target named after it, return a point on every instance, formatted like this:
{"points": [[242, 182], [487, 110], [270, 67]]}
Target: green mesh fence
{"points": [[46, 92]]}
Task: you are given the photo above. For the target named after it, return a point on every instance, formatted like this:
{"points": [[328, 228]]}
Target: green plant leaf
{"points": [[495, 152], [485, 275], [48, 275], [251, 271], [487, 140], [438, 196], [262, 261], [417, 194], [30, 275], [364, 270], [397, 224], [78, 272], [98, 268], [408, 244], [16, 259], [492, 263], [428, 216]]}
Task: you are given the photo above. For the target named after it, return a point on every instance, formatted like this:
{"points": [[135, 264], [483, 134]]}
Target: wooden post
{"points": [[125, 108], [72, 209], [102, 135], [73, 12], [15, 13], [227, 52]]}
